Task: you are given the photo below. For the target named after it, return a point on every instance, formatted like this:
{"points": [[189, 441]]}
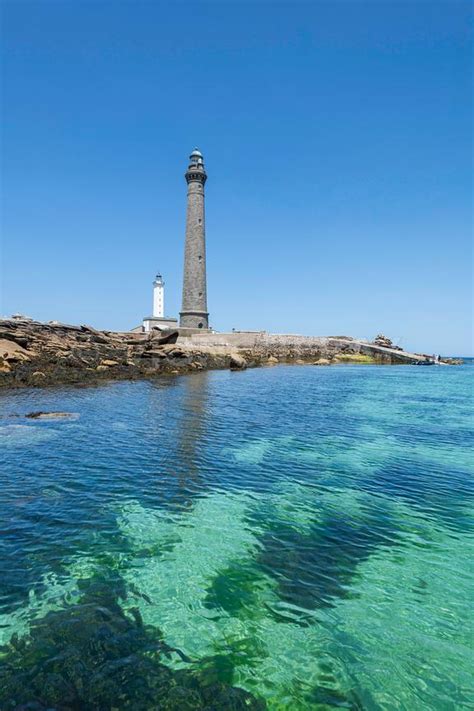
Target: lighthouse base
{"points": [[194, 319]]}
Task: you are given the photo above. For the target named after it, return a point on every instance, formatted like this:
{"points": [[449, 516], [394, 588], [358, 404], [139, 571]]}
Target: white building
{"points": [[159, 296], [158, 320]]}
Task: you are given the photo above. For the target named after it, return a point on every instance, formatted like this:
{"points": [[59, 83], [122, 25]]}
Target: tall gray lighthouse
{"points": [[194, 312]]}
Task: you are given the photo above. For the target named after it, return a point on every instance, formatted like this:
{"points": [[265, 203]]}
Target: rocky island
{"points": [[39, 354]]}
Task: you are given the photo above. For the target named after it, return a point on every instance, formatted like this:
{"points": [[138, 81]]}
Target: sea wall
{"points": [[290, 347]]}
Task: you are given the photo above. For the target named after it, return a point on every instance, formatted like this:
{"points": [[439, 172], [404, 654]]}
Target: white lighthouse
{"points": [[158, 297], [158, 320]]}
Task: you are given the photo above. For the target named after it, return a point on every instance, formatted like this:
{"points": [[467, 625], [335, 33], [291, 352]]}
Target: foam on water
{"points": [[24, 435]]}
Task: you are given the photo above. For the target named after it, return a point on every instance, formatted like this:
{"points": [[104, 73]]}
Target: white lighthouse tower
{"points": [[158, 320], [158, 297]]}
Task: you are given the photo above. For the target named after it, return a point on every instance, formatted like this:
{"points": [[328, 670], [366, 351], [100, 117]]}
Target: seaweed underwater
{"points": [[91, 655], [330, 568], [217, 599], [194, 606]]}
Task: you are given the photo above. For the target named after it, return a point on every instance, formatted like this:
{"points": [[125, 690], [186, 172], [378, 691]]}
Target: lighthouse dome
{"points": [[196, 158]]}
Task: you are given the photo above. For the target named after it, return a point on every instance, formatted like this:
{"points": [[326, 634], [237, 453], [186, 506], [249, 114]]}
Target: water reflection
{"points": [[191, 435], [177, 432]]}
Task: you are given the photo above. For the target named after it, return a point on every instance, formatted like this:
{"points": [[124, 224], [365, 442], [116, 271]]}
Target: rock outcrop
{"points": [[385, 342], [37, 354], [237, 362]]}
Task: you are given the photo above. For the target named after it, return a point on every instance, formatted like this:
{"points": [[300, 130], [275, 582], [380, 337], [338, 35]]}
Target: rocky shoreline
{"points": [[38, 354]]}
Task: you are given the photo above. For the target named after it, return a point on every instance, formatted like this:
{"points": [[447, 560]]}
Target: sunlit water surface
{"points": [[304, 534]]}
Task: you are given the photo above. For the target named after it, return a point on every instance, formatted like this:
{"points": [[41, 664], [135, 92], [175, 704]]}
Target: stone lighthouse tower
{"points": [[194, 312]]}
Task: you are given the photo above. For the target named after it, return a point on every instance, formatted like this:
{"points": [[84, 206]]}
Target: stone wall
{"points": [[290, 347]]}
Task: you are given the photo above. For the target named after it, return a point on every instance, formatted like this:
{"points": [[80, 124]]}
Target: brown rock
{"points": [[384, 341], [165, 337], [108, 363], [154, 354], [4, 366], [13, 352], [237, 362]]}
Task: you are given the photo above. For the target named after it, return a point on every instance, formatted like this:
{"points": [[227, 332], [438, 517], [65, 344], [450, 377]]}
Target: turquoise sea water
{"points": [[283, 538]]}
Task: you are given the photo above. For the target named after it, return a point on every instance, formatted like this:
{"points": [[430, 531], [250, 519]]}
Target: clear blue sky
{"points": [[336, 137]]}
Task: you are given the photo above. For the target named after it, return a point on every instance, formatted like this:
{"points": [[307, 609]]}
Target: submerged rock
{"points": [[40, 415], [92, 656]]}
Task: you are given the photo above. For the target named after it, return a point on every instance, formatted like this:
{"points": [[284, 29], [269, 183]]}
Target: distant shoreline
{"points": [[33, 354]]}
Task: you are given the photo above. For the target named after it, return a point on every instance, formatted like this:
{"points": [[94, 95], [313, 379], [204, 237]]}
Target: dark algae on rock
{"points": [[92, 656], [33, 354], [36, 354]]}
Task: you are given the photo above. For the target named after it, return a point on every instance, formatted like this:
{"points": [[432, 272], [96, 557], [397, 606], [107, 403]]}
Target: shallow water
{"points": [[303, 534]]}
